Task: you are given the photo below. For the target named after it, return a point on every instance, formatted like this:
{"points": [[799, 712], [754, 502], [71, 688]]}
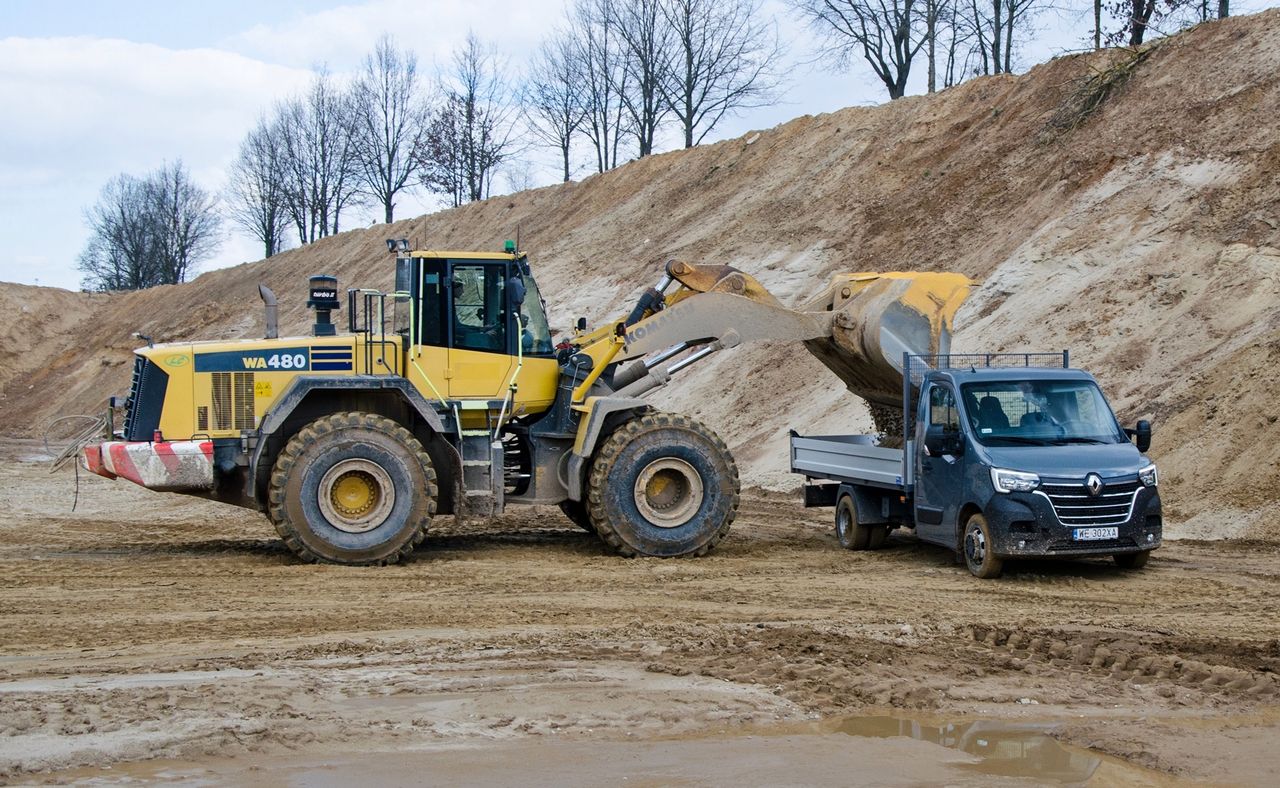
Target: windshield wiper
{"points": [[1020, 439], [1080, 439]]}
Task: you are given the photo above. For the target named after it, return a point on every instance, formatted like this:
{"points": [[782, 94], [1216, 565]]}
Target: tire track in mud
{"points": [[1222, 669]]}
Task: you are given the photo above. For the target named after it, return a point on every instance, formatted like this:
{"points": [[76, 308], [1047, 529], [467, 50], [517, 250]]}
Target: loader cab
{"points": [[476, 302], [473, 318]]}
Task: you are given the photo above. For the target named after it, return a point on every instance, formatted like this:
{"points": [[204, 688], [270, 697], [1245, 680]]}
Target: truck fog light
{"points": [[1151, 538], [1022, 543]]}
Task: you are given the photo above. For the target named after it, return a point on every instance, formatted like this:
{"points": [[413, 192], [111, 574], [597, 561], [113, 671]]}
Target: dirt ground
{"points": [[156, 637]]}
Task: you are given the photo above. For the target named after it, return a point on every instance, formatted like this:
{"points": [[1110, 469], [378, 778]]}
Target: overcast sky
{"points": [[91, 88]]}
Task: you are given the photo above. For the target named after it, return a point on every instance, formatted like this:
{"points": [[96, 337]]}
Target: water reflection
{"points": [[1007, 749]]}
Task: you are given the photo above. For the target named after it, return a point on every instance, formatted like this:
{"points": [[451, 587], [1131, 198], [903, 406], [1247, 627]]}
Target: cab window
{"points": [[942, 409], [478, 292]]}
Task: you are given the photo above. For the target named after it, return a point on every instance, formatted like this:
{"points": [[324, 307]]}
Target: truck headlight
{"points": [[1149, 475], [1013, 481]]}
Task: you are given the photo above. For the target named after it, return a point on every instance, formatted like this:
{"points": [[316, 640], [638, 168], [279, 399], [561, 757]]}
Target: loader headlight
{"points": [[1007, 481], [1149, 475]]}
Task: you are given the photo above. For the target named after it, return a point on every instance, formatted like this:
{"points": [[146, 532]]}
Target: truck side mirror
{"points": [[1143, 434], [935, 440]]}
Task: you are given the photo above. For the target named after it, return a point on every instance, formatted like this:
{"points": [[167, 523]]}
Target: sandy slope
{"points": [[1145, 239]]}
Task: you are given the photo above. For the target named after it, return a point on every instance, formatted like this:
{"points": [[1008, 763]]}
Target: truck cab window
{"points": [[942, 409], [478, 293]]}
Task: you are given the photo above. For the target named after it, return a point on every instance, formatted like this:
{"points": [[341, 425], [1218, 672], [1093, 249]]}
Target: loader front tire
{"points": [[352, 488], [662, 485], [576, 511]]}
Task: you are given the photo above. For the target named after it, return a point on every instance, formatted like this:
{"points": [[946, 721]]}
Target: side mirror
{"points": [[582, 324], [1143, 435], [939, 441], [515, 285]]}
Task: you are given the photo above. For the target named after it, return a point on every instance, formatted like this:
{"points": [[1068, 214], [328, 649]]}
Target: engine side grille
{"points": [[202, 418], [221, 401], [243, 402], [232, 395], [1075, 507], [146, 400]]}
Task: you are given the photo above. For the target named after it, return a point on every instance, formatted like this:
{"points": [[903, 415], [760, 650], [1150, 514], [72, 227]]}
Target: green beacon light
{"points": [[509, 246]]}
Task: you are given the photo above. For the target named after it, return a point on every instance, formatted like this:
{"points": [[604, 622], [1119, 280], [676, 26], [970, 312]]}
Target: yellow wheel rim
{"points": [[354, 493]]}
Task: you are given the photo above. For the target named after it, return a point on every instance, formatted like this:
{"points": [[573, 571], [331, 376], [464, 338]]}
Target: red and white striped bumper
{"points": [[169, 465]]}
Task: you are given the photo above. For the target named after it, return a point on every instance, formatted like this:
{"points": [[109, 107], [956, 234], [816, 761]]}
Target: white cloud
{"points": [[341, 36], [80, 110]]}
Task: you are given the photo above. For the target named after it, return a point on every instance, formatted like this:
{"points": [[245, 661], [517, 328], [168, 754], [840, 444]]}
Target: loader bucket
{"points": [[878, 317]]}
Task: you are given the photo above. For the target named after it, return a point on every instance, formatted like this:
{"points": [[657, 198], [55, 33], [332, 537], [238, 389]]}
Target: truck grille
{"points": [[1075, 507], [146, 400]]}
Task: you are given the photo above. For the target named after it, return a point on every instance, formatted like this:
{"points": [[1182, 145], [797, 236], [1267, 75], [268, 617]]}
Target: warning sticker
{"points": [[262, 388]]}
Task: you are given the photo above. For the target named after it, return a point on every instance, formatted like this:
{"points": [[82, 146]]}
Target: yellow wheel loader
{"points": [[450, 395]]}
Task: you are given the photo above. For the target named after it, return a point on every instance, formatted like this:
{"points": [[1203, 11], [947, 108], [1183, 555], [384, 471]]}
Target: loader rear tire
{"points": [[352, 488], [662, 485]]}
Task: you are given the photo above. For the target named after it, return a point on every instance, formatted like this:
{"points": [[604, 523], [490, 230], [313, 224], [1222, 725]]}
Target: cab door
{"points": [[939, 474], [480, 341]]}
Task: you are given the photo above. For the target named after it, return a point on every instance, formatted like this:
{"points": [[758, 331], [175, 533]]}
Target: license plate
{"points": [[1092, 534]]}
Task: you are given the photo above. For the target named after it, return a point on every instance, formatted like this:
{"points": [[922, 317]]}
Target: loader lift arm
{"points": [[859, 326]]}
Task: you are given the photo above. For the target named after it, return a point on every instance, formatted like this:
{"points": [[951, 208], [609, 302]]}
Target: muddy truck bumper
{"points": [[1029, 525], [168, 466]]}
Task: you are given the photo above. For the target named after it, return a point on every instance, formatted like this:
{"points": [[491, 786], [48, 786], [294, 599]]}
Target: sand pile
{"points": [[1144, 237]]}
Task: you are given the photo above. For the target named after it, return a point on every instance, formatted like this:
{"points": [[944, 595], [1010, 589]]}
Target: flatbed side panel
{"points": [[846, 458]]}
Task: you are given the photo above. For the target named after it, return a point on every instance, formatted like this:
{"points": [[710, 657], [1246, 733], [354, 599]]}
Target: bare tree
{"points": [[554, 95], [472, 131], [149, 231], [186, 221], [389, 122], [722, 57], [256, 196], [317, 133], [647, 42], [601, 62], [119, 253], [884, 32], [997, 26]]}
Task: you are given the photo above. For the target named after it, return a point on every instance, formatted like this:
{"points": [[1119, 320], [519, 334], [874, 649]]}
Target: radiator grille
{"points": [[222, 400], [146, 400], [1075, 507], [202, 418]]}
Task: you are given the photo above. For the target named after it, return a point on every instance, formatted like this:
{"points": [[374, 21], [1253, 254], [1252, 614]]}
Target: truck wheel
{"points": [[662, 485], [577, 512], [1132, 560], [352, 488], [851, 534], [982, 562]]}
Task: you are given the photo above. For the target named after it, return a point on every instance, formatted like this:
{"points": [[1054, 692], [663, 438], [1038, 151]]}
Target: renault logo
{"points": [[1093, 483]]}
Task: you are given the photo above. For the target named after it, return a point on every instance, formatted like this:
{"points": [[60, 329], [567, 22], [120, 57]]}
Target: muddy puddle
{"points": [[879, 750]]}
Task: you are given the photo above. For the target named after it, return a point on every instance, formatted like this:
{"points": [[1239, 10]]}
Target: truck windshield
{"points": [[1039, 413]]}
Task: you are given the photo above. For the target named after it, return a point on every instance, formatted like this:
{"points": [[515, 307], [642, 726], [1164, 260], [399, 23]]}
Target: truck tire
{"points": [[976, 546], [662, 485], [1132, 560], [576, 511], [851, 534], [352, 488]]}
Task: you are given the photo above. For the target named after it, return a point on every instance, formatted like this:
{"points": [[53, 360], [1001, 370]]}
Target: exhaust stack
{"points": [[272, 311]]}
